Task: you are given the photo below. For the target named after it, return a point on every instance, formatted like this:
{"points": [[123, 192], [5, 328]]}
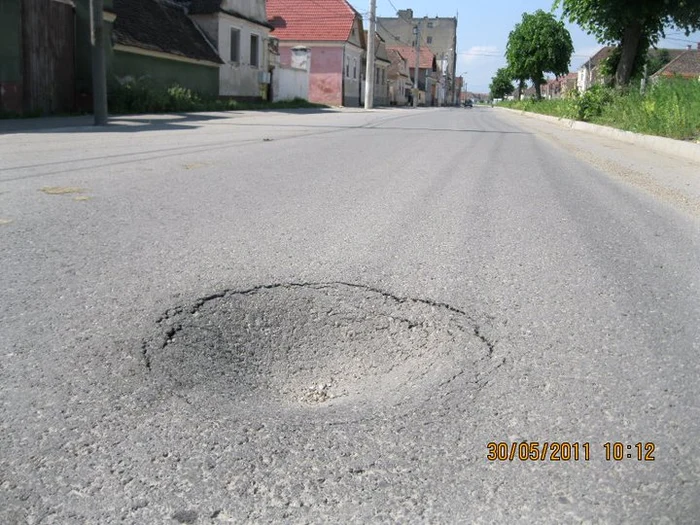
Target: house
{"points": [[37, 56], [590, 73], [381, 70], [399, 78], [438, 34], [427, 71], [157, 40], [332, 32], [240, 32], [685, 65]]}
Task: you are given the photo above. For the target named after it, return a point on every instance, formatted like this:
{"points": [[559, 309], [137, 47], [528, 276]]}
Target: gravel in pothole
{"points": [[314, 347]]}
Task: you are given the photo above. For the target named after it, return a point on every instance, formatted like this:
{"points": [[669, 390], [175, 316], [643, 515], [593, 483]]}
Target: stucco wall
{"points": [[241, 79], [326, 81], [289, 83], [203, 79], [254, 9]]}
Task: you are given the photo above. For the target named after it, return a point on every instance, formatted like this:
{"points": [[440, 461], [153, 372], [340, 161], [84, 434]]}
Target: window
{"points": [[354, 68], [254, 50], [430, 25], [235, 45], [430, 40], [376, 76], [347, 68]]}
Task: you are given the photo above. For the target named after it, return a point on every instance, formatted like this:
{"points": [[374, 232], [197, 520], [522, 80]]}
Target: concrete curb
{"points": [[679, 148]]}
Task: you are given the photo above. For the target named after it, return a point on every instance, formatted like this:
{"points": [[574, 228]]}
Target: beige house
{"points": [[399, 78], [239, 31], [381, 73]]}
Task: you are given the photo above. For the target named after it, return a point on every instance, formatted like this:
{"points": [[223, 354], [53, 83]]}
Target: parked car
{"points": [[468, 103]]}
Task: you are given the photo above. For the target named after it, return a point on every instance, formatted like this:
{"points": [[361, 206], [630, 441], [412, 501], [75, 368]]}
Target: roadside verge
{"points": [[679, 148]]}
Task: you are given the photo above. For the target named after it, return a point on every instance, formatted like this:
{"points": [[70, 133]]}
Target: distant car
{"points": [[468, 103]]}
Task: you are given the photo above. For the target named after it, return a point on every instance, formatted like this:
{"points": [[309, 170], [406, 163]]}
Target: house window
{"points": [[354, 68], [235, 45], [347, 68], [376, 76], [430, 40], [254, 50], [430, 25]]}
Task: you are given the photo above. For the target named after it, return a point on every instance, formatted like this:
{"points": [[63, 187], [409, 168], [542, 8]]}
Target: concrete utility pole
{"points": [[99, 75], [369, 73], [416, 71]]}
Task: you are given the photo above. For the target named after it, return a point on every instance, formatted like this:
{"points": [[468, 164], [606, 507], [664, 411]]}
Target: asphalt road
{"points": [[326, 317]]}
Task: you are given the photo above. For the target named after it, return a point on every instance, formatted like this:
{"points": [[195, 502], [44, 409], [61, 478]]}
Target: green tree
{"points": [[501, 84], [632, 25], [539, 44]]}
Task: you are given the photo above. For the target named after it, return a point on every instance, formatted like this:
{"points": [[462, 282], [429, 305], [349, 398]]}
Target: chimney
{"points": [[406, 14]]}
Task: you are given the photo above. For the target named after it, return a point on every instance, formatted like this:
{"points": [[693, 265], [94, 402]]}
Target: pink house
{"points": [[332, 31]]}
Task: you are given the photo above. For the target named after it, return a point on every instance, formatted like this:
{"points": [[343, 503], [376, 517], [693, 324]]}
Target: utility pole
{"points": [[416, 71], [369, 73], [99, 76]]}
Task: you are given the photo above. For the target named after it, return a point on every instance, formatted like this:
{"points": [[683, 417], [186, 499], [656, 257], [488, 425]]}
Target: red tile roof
{"points": [[686, 64], [427, 58], [316, 20]]}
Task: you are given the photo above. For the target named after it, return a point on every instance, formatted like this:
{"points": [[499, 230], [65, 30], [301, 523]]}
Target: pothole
{"points": [[310, 346]]}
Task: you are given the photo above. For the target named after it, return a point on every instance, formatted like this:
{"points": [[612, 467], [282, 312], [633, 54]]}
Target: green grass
{"points": [[144, 97], [670, 108]]}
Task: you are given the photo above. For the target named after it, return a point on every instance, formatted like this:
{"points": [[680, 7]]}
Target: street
{"points": [[326, 316]]}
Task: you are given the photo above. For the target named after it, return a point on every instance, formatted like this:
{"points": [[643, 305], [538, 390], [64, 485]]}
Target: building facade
{"points": [[439, 34]]}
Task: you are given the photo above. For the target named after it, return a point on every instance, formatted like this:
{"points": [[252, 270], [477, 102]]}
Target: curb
{"points": [[679, 148]]}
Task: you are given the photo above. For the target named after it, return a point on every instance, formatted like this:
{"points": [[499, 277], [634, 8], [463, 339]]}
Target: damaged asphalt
{"points": [[330, 326]]}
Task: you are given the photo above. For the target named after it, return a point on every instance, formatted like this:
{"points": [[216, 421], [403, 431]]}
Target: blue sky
{"points": [[483, 27]]}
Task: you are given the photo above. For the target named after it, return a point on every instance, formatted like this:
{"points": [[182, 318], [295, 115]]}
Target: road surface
{"points": [[327, 316]]}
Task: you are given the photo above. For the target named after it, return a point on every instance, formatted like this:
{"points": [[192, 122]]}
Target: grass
{"points": [[142, 96], [670, 108]]}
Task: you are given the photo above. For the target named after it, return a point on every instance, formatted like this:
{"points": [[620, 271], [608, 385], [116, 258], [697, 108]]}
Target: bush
{"points": [[592, 103], [144, 96], [669, 108]]}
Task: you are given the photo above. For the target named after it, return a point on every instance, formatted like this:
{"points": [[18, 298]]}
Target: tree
{"points": [[632, 25], [539, 44], [501, 85]]}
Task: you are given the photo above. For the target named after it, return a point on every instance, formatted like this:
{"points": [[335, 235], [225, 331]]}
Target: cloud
{"points": [[475, 53]]}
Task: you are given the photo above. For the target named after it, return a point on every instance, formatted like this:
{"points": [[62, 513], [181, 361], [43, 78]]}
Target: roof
{"points": [[210, 7], [427, 58], [311, 20], [395, 68], [161, 26], [600, 55], [686, 64]]}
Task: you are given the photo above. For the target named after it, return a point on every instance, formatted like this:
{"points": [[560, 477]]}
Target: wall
{"points": [[254, 9], [237, 79], [48, 56], [354, 81], [326, 77], [83, 53], [289, 83], [10, 56], [203, 79]]}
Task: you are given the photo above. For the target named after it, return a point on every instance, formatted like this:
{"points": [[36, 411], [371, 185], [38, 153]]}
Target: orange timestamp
{"points": [[567, 451], [536, 451]]}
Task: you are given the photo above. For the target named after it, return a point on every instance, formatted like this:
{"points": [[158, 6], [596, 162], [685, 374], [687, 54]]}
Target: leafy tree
{"points": [[633, 25], [501, 84], [539, 44]]}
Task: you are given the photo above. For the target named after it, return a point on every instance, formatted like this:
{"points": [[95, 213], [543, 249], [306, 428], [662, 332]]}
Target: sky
{"points": [[483, 28]]}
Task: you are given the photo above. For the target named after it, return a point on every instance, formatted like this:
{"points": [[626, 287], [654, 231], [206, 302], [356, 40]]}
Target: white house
{"points": [[239, 31]]}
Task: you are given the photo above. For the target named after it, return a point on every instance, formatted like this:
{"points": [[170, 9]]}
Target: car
{"points": [[468, 103]]}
